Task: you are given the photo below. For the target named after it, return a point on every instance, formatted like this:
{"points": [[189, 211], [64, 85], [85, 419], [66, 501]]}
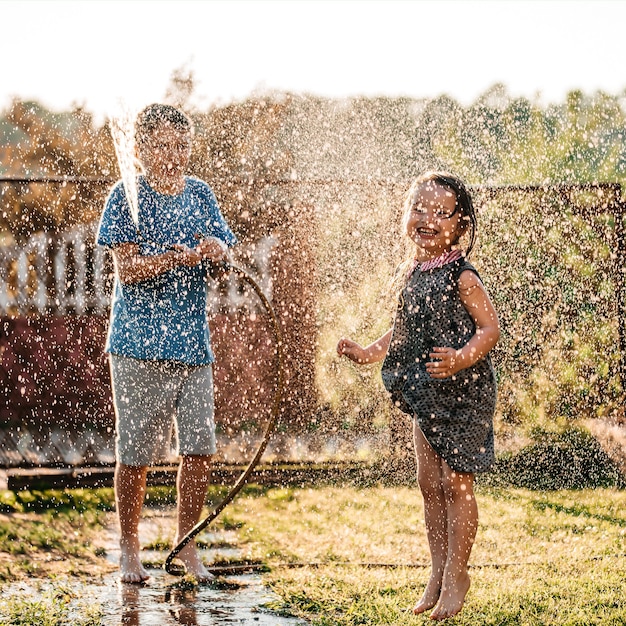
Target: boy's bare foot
{"points": [[430, 596], [193, 564], [131, 569], [452, 597]]}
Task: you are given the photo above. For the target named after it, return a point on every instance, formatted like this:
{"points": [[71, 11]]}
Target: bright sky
{"points": [[100, 52]]}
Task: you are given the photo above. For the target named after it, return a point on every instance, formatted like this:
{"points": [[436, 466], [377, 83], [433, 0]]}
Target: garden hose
{"points": [[170, 566]]}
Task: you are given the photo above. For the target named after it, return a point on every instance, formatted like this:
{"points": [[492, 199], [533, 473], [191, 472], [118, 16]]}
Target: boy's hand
{"points": [[212, 249], [186, 255], [445, 362]]}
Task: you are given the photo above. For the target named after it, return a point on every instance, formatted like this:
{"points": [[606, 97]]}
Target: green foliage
{"points": [[546, 255], [572, 459], [35, 143], [547, 260], [504, 140]]}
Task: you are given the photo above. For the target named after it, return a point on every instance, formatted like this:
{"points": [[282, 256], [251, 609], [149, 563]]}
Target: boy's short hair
{"points": [[156, 114]]}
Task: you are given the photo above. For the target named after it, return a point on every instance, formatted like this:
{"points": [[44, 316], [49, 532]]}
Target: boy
{"points": [[158, 339]]}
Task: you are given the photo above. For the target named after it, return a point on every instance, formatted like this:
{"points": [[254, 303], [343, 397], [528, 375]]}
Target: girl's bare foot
{"points": [[131, 569], [452, 597], [430, 596]]}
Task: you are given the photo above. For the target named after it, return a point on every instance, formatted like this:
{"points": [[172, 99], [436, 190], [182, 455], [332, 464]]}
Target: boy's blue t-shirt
{"points": [[162, 318]]}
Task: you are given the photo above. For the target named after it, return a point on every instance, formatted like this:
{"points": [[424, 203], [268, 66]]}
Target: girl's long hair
{"points": [[463, 204]]}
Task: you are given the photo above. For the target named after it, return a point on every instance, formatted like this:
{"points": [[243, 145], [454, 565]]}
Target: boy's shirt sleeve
{"points": [[116, 224], [216, 225]]}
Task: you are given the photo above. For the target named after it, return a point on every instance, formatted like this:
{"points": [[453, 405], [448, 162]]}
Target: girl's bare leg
{"points": [[462, 526], [192, 483], [429, 475], [130, 490]]}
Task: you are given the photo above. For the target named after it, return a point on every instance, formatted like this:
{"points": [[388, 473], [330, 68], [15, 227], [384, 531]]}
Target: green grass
{"points": [[40, 529], [541, 558], [58, 605], [347, 555], [57, 501]]}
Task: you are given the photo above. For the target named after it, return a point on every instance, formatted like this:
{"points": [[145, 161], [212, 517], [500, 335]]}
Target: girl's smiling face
{"points": [[434, 221]]}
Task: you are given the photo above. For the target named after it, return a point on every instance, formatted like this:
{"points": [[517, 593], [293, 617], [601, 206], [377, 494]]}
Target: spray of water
{"points": [[122, 132]]}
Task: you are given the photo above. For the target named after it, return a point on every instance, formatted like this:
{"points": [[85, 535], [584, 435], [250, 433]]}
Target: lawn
{"points": [[541, 558], [346, 555]]}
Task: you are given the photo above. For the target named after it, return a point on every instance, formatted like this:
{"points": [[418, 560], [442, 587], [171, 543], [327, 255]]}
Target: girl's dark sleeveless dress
{"points": [[455, 414]]}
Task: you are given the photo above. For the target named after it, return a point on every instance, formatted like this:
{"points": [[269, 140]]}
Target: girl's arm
{"points": [[373, 353], [446, 362], [133, 267]]}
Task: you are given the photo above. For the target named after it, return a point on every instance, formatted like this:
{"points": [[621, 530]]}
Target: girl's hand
{"points": [[351, 349], [445, 362], [374, 353]]}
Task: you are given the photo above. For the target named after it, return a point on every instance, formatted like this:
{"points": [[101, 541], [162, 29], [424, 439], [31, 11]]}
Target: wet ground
{"points": [[166, 600], [231, 600]]}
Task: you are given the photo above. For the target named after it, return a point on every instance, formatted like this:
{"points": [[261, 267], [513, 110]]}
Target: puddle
{"points": [[162, 602], [165, 600]]}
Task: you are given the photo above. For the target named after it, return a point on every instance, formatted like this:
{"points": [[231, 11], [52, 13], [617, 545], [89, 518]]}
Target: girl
{"points": [[437, 368]]}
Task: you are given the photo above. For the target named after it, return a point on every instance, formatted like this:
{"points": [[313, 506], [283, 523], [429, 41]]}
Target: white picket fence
{"points": [[67, 273]]}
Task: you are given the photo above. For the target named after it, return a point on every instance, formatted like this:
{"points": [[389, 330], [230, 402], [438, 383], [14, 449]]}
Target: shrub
{"points": [[572, 459]]}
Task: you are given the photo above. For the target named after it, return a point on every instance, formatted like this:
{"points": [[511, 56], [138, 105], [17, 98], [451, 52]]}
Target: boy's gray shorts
{"points": [[157, 399]]}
